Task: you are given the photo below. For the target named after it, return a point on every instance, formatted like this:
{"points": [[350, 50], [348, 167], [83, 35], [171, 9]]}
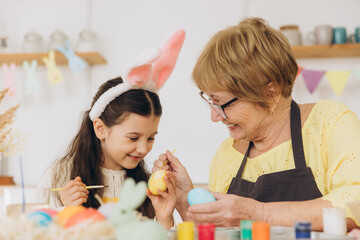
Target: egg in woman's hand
{"points": [[200, 195], [157, 181]]}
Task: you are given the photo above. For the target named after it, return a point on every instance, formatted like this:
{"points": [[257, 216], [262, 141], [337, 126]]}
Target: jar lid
{"points": [[288, 27]]}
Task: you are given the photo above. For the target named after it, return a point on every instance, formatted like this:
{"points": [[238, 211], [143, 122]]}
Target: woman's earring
{"points": [[272, 110]]}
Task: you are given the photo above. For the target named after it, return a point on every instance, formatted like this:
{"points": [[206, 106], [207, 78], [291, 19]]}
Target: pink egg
{"points": [[49, 211], [89, 213], [69, 211]]}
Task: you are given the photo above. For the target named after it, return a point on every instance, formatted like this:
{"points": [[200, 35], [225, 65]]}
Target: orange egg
{"points": [[68, 212], [89, 213], [157, 181]]}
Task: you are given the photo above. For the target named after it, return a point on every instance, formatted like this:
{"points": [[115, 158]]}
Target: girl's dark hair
{"points": [[85, 157]]}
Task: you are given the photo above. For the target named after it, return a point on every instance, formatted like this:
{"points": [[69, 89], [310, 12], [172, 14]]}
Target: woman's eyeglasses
{"points": [[219, 109]]}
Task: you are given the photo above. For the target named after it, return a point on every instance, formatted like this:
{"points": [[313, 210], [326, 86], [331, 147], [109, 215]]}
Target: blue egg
{"points": [[41, 219], [199, 195]]}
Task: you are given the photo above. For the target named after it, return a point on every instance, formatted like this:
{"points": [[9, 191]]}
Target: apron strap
{"points": [[296, 136], [241, 169]]}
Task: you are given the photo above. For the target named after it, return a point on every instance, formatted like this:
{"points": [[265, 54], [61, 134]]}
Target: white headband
{"points": [[149, 71]]}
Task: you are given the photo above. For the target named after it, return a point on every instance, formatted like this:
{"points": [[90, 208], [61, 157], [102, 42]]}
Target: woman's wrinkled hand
{"points": [[74, 193], [227, 211]]}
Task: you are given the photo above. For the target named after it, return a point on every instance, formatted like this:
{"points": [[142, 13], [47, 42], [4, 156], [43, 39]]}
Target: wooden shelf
{"points": [[327, 51], [18, 58]]}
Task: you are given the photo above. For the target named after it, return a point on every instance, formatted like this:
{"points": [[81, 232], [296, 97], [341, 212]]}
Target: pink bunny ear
{"points": [[163, 68], [139, 72]]}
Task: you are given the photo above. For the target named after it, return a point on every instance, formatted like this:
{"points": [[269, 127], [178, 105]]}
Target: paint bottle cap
{"points": [[185, 231], [302, 230], [206, 231], [246, 226], [260, 231]]}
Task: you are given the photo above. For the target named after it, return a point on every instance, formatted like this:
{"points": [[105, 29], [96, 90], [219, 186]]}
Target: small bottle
{"points": [[334, 221], [302, 230], [185, 231], [206, 231], [260, 231], [246, 226]]}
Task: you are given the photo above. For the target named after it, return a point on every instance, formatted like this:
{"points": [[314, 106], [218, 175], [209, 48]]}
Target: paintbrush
{"points": [[166, 161], [87, 187]]}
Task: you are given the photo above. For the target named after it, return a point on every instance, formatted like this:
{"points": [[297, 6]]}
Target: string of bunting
{"points": [[75, 63], [337, 79]]}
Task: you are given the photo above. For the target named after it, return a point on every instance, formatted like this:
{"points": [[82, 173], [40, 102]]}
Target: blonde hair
{"points": [[244, 59]]}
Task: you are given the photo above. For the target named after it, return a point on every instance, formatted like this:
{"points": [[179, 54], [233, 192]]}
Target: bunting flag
{"points": [[299, 71], [54, 74], [338, 80], [9, 78], [31, 82], [76, 63], [312, 78], [357, 72]]}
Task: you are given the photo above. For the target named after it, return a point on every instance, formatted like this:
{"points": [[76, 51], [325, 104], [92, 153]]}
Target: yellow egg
{"points": [[157, 181]]}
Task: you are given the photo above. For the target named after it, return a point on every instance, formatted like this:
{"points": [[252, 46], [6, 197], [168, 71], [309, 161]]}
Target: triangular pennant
{"points": [[338, 80], [299, 71], [357, 72], [312, 78]]}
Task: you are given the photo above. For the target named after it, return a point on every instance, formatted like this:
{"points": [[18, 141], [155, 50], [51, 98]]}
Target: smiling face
{"points": [[244, 118], [124, 145]]}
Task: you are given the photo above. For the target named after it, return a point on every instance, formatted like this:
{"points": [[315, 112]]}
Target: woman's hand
{"points": [[74, 193], [355, 233], [227, 211], [183, 181], [164, 204]]}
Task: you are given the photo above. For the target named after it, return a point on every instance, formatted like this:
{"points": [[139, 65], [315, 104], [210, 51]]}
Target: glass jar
{"points": [[57, 39], [33, 43], [87, 41]]}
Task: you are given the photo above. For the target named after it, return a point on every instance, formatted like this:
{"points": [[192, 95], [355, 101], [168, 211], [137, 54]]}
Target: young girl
{"points": [[116, 133]]}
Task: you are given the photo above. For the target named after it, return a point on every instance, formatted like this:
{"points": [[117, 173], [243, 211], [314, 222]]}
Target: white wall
{"points": [[125, 29]]}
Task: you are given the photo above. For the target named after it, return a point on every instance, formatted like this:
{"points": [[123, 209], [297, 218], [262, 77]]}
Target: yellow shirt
{"points": [[331, 139]]}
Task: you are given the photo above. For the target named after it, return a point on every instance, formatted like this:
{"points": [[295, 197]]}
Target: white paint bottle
{"points": [[334, 221]]}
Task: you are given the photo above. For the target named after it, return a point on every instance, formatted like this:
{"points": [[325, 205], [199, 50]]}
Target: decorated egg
{"points": [[157, 181], [89, 213], [106, 209], [41, 219], [68, 212], [200, 195], [49, 211]]}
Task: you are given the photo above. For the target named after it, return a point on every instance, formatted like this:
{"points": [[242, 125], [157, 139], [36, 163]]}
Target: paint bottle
{"points": [[334, 221], [185, 231], [246, 226], [206, 231], [260, 231], [302, 230]]}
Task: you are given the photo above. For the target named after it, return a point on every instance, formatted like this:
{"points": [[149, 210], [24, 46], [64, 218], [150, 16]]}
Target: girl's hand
{"points": [[183, 181], [74, 193], [164, 204]]}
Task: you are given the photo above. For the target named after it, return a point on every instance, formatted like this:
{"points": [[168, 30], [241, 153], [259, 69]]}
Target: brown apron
{"points": [[290, 185]]}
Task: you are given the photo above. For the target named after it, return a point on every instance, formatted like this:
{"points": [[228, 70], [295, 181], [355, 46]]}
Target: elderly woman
{"points": [[284, 161]]}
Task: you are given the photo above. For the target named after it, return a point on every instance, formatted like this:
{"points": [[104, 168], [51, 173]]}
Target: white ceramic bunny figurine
{"points": [[127, 227]]}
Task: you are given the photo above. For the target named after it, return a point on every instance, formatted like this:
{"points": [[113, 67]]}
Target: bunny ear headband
{"points": [[149, 71]]}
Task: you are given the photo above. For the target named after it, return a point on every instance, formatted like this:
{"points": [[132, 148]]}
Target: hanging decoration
{"points": [[338, 80], [312, 78], [357, 72], [31, 82], [54, 74], [299, 71], [76, 63], [9, 78]]}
